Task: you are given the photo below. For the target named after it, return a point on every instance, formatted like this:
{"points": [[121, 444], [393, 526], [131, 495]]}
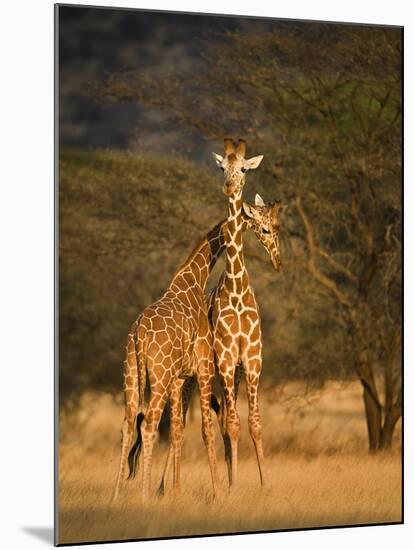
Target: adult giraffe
{"points": [[234, 313], [171, 341]]}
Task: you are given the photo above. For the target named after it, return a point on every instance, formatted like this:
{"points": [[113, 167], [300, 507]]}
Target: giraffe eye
{"points": [[265, 231], [221, 168], [243, 170]]}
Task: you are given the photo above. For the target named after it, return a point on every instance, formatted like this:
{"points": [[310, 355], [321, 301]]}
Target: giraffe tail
{"points": [[139, 341]]}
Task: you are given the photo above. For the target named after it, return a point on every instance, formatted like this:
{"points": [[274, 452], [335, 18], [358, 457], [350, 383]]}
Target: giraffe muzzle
{"points": [[231, 187], [276, 262], [228, 189]]}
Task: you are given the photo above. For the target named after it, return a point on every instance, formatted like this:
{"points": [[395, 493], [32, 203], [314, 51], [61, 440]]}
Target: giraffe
{"points": [[234, 312], [263, 219], [171, 341]]}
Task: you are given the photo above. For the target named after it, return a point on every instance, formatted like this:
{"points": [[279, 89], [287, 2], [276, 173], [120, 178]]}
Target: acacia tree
{"points": [[324, 103]]}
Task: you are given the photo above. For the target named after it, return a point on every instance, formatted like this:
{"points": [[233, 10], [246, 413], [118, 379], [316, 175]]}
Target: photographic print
{"points": [[229, 274]]}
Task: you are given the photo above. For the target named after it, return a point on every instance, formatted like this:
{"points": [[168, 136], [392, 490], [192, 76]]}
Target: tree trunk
{"points": [[392, 380], [373, 419], [373, 410], [387, 432]]}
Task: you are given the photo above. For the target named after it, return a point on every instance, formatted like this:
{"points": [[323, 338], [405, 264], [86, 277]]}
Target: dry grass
{"points": [[318, 473]]}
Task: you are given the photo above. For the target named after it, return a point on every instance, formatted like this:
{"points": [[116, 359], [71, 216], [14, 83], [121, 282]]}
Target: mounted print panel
{"points": [[229, 274]]}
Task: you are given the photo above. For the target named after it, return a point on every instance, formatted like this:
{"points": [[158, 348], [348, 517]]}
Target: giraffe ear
{"points": [[249, 210], [218, 158], [253, 163], [258, 201]]}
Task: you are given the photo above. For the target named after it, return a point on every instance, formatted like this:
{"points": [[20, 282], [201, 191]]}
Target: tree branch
{"points": [[312, 267], [337, 265]]}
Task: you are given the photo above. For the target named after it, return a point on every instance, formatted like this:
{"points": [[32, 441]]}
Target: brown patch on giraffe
{"points": [[237, 265], [129, 381], [234, 208], [231, 250], [157, 323], [250, 302], [253, 349]]}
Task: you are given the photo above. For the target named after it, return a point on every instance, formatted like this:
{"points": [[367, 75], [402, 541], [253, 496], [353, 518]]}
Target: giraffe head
{"points": [[235, 165], [264, 220]]}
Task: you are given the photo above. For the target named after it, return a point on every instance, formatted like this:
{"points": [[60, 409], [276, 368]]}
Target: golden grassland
{"points": [[318, 472]]}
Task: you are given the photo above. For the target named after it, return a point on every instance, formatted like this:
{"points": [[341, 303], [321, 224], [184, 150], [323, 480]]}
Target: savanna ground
{"points": [[318, 471]]}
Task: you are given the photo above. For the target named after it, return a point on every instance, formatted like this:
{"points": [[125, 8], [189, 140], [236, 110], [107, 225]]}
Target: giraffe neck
{"points": [[236, 277], [205, 255]]}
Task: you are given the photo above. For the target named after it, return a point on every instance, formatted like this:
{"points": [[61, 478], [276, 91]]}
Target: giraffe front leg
{"points": [[255, 426], [232, 432], [231, 445], [231, 419], [177, 428], [205, 381]]}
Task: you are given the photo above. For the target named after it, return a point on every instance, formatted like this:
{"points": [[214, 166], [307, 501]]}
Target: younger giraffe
{"points": [[171, 340], [234, 312], [263, 219]]}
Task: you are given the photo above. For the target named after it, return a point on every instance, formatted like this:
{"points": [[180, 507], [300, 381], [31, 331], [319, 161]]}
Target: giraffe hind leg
{"points": [[214, 404], [127, 435], [186, 394], [136, 448]]}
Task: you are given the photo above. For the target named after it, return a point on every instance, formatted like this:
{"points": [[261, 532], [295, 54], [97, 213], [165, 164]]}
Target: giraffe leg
{"points": [[168, 462], [149, 428], [130, 372], [177, 428], [232, 431], [231, 419], [223, 421], [186, 394], [127, 432], [255, 425], [205, 382]]}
